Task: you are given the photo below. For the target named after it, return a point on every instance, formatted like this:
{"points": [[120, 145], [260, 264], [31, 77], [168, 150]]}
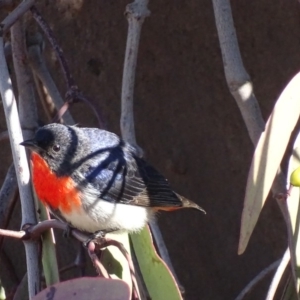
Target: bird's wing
{"points": [[127, 179]]}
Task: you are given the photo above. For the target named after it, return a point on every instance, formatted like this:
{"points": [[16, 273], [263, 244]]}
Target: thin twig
{"points": [[136, 13], [21, 166], [49, 33], [237, 78], [12, 233], [240, 86], [278, 275], [38, 64], [163, 252], [26, 97], [33, 232], [96, 262], [18, 12], [73, 95], [44, 98], [257, 279]]}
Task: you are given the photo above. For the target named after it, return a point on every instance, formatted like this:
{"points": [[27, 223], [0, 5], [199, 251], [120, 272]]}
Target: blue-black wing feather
{"points": [[121, 176]]}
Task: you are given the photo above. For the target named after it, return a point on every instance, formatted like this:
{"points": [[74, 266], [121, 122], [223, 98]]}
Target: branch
{"points": [[95, 260], [49, 33], [39, 67], [136, 13], [257, 279], [241, 87], [26, 96], [278, 275], [21, 167], [18, 12], [237, 78], [33, 232]]}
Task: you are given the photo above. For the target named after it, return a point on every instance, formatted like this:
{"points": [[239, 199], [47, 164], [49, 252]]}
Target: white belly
{"points": [[103, 215]]}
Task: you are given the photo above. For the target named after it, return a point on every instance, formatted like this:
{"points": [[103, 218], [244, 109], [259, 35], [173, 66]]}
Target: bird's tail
{"points": [[186, 203]]}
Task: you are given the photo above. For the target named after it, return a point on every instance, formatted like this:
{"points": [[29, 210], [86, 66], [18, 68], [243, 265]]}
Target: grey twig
{"points": [[163, 252], [39, 67], [237, 78], [241, 87], [26, 97], [278, 275], [49, 33], [257, 279], [136, 13], [100, 269], [21, 167], [73, 93], [28, 121], [18, 12], [33, 232], [44, 98]]}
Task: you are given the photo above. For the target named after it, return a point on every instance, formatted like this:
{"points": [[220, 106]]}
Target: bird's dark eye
{"points": [[56, 147]]}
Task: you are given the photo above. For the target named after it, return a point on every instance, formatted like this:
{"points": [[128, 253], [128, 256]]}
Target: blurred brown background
{"points": [[186, 120]]}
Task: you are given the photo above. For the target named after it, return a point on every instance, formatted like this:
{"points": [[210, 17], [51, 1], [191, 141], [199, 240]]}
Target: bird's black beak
{"points": [[30, 144]]}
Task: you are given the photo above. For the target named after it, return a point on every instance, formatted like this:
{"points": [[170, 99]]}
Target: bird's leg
{"points": [[98, 236]]}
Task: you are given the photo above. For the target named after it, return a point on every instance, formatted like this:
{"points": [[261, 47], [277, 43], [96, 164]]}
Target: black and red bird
{"points": [[94, 181]]}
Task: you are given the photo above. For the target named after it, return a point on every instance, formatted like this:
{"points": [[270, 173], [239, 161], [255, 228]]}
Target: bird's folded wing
{"points": [[133, 182]]}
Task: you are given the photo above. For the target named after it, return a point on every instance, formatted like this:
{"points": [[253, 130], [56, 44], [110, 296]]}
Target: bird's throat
{"points": [[56, 192]]}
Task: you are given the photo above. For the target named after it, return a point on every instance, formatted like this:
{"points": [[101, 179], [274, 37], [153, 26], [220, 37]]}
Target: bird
{"points": [[94, 181]]}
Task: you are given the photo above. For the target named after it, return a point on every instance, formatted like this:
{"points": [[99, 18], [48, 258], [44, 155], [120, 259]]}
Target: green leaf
{"points": [[267, 157], [159, 281], [115, 262], [49, 259]]}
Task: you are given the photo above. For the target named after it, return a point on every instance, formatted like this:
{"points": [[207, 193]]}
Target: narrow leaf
{"points": [[115, 262], [267, 157], [159, 280]]}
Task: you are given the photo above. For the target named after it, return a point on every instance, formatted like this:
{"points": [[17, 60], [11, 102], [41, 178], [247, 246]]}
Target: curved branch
{"points": [[278, 275], [257, 279]]}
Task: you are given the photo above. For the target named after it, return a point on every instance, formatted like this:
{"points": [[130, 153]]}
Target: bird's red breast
{"points": [[56, 192]]}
